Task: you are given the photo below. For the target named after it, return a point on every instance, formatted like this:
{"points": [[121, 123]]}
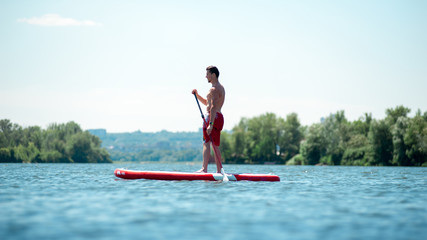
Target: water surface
{"points": [[80, 201]]}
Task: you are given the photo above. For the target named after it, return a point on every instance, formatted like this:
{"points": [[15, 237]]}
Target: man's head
{"points": [[213, 70]]}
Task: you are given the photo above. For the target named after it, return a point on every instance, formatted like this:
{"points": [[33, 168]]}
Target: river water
{"points": [[86, 201]]}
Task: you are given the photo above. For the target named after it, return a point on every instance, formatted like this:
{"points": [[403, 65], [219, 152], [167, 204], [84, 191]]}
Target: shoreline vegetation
{"points": [[396, 140], [59, 143]]}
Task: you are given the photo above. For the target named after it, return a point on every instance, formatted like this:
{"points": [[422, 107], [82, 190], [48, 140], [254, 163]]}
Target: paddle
{"points": [[225, 178]]}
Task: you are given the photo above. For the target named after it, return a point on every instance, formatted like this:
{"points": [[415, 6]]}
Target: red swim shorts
{"points": [[216, 131]]}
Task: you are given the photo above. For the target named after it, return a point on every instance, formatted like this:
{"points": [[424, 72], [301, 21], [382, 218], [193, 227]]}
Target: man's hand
{"points": [[194, 91], [209, 130]]}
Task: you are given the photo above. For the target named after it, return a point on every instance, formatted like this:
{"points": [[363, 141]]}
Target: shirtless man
{"points": [[214, 101]]}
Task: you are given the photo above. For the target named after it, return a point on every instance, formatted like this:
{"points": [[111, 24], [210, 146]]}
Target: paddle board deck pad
{"points": [[164, 175]]}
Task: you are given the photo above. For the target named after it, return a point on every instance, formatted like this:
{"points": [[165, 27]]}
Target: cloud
{"points": [[56, 20]]}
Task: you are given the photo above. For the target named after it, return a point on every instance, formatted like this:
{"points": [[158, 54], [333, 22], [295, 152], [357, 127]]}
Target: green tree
{"points": [[5, 133], [314, 147], [362, 125], [54, 157], [262, 138], [415, 139], [399, 147], [26, 154], [239, 145], [381, 143], [290, 136], [335, 133], [58, 143], [33, 134], [357, 151], [225, 147], [84, 148], [6, 156], [392, 114]]}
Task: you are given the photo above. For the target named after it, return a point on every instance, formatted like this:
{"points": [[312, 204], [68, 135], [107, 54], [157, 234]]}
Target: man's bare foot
{"points": [[201, 171]]}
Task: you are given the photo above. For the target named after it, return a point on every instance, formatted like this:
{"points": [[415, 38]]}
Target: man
{"points": [[215, 120]]}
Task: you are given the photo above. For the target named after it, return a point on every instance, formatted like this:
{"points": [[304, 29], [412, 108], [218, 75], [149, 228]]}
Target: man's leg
{"points": [[217, 154], [206, 156]]}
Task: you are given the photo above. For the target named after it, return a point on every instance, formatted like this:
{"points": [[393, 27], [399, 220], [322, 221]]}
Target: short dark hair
{"points": [[213, 69]]}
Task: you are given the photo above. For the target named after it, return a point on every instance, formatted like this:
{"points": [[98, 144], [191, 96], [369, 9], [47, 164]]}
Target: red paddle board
{"points": [[164, 175]]}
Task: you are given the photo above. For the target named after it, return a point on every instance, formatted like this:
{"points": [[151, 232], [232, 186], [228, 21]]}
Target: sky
{"points": [[131, 65]]}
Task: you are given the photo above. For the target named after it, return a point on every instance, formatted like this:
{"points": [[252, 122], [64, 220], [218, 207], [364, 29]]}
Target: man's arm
{"points": [[201, 99]]}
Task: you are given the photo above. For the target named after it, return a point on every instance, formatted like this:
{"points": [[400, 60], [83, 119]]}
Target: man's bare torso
{"points": [[215, 98]]}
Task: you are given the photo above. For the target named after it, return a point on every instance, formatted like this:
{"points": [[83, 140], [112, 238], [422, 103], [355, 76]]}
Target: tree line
{"points": [[397, 140], [59, 143]]}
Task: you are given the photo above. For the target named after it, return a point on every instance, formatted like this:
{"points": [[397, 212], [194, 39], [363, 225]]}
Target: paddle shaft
{"points": [[201, 112]]}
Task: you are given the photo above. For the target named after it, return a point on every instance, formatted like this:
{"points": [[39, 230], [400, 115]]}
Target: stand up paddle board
{"points": [[164, 175]]}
